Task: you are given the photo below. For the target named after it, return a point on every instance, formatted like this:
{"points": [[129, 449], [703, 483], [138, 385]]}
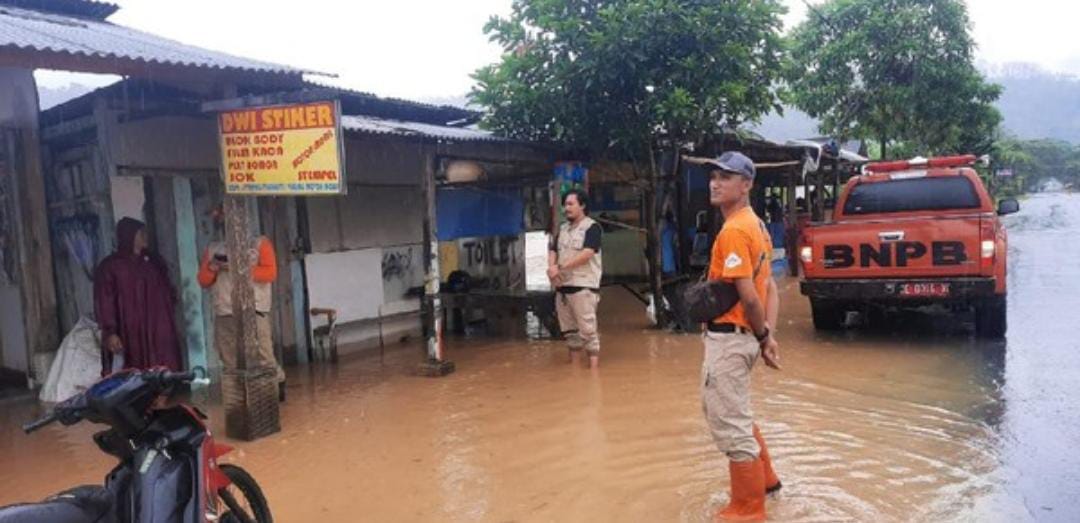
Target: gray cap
{"points": [[735, 162]]}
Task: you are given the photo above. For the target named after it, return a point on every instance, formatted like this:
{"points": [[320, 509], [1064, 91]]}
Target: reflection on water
{"points": [[913, 421]]}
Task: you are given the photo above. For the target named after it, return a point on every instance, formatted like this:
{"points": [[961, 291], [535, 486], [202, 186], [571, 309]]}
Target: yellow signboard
{"points": [[283, 149]]}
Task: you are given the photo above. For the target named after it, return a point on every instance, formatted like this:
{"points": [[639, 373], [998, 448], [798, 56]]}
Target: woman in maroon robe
{"points": [[135, 304]]}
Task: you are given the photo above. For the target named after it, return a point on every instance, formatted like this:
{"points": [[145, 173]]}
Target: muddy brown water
{"points": [[909, 421]]}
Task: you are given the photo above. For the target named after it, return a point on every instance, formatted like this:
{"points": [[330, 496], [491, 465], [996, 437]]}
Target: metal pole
{"points": [[435, 364], [791, 235]]}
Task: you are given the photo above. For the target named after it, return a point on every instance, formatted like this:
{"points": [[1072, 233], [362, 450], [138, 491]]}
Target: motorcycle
{"points": [[168, 470]]}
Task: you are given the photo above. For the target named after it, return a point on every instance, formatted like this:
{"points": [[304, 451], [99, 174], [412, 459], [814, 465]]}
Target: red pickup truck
{"points": [[909, 234]]}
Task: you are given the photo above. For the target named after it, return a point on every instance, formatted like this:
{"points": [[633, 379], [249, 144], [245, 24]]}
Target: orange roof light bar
{"points": [[921, 163]]}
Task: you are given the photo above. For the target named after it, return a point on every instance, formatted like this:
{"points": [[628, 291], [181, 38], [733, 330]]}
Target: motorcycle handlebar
{"points": [[40, 423], [162, 377], [169, 378], [196, 376]]}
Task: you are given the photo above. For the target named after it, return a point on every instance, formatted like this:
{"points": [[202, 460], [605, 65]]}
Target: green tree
{"points": [[1033, 162], [1009, 153], [894, 71], [626, 79]]}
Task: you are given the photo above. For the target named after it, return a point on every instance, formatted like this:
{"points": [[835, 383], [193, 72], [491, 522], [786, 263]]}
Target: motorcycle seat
{"points": [[88, 503]]}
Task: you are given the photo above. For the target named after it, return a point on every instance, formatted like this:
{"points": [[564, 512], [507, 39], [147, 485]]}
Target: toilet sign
{"points": [[274, 150]]}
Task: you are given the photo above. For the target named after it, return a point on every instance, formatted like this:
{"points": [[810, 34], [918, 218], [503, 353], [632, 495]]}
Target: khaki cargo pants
{"points": [[577, 320], [725, 392], [225, 342]]}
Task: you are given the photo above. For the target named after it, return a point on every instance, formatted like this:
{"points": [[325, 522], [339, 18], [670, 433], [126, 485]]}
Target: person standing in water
{"points": [[575, 269], [135, 305], [741, 255]]}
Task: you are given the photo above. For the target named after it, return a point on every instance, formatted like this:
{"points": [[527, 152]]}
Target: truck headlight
{"points": [[806, 254], [988, 248]]}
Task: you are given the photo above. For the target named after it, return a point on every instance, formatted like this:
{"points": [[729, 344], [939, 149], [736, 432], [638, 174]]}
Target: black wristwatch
{"points": [[763, 336]]}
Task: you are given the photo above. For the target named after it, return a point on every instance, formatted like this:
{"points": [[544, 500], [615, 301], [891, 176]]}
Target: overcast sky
{"points": [[423, 49]]}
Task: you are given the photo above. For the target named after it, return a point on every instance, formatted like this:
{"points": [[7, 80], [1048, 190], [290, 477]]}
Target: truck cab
{"points": [[907, 234]]}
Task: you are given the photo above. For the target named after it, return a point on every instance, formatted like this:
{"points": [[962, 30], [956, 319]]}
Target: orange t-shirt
{"points": [[742, 246]]}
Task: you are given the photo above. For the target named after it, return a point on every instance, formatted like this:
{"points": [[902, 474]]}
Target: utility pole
{"points": [[434, 365], [250, 392]]}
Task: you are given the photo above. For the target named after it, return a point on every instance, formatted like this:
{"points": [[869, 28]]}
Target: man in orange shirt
{"points": [[741, 255], [214, 275]]}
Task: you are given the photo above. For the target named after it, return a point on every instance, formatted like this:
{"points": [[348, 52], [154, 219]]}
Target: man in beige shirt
{"points": [[215, 276], [575, 269]]}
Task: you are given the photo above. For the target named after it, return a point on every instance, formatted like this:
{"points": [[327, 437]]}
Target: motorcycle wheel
{"points": [[244, 498]]}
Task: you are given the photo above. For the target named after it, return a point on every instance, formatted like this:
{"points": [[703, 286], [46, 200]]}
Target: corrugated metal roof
{"points": [[372, 125], [41, 31]]}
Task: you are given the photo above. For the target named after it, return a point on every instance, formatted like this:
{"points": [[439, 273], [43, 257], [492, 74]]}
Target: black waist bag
{"points": [[707, 299]]}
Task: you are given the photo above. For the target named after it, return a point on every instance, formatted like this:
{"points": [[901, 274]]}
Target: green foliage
{"points": [[621, 78], [1033, 163], [894, 71]]}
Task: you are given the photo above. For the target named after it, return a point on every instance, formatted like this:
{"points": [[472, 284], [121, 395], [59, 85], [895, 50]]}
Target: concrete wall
{"points": [[366, 244]]}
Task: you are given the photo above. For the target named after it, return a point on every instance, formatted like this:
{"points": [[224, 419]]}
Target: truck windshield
{"points": [[914, 194]]}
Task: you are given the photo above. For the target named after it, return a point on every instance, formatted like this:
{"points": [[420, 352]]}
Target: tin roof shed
{"points": [[75, 35]]}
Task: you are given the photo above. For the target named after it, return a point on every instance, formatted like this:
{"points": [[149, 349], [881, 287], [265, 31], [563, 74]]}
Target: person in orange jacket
{"points": [[214, 275], [741, 254]]}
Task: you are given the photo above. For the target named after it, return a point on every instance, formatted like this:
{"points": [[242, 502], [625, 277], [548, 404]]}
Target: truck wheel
{"points": [[991, 318], [828, 315]]}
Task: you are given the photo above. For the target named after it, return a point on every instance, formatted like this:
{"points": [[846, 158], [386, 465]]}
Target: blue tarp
{"points": [[776, 231], [474, 212]]}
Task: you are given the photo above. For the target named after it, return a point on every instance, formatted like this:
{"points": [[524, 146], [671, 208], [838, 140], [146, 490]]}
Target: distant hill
{"points": [[1037, 103]]}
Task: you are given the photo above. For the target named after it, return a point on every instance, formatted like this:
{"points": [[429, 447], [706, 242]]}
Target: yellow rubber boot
{"points": [[747, 492]]}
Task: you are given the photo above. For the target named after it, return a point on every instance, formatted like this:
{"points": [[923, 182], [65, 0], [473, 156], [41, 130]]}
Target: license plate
{"points": [[924, 289]]}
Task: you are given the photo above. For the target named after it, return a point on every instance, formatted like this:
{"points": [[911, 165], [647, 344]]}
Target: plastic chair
{"points": [[325, 336]]}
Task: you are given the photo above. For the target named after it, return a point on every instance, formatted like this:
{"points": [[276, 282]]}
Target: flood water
{"points": [[909, 421]]}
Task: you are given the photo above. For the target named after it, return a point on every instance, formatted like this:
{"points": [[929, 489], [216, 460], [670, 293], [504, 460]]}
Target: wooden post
{"points": [[191, 296], [25, 235], [251, 391], [791, 235], [272, 213], [818, 212], [683, 219], [653, 247], [435, 363], [296, 213]]}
